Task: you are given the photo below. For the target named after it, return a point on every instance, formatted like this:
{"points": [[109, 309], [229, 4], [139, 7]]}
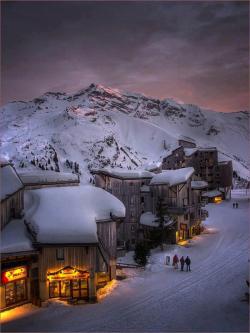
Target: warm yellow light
{"points": [[107, 289], [217, 200]]}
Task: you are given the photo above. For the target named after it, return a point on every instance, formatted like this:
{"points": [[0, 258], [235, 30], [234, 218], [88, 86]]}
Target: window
{"points": [[142, 199], [186, 216], [132, 228], [60, 254]]}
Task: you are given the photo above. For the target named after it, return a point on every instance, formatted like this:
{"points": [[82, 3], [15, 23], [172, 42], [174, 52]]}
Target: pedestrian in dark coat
{"points": [[182, 261], [175, 261], [237, 205], [188, 263]]}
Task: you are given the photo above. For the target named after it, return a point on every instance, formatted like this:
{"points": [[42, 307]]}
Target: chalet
{"points": [[63, 246], [127, 186], [74, 230]]}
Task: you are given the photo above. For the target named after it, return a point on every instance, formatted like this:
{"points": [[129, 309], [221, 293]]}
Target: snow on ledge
{"points": [[172, 177], [211, 194], [43, 177], [15, 238], [149, 219], [69, 214], [198, 184], [125, 174]]}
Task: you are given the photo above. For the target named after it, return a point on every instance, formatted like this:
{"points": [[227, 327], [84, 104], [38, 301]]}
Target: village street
{"points": [[209, 298]]}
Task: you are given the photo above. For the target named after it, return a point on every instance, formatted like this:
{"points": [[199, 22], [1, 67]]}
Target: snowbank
{"points": [[172, 177], [15, 238], [69, 215], [10, 182]]}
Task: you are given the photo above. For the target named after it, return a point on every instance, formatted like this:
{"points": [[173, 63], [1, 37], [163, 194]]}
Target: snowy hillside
{"points": [[99, 127]]}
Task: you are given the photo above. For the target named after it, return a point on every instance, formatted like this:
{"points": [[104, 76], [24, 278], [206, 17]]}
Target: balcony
{"points": [[177, 210]]}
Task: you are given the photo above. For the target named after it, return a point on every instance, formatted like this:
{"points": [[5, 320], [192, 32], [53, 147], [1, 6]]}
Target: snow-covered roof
{"points": [[190, 151], [207, 148], [3, 161], [43, 177], [186, 138], [69, 214], [149, 219], [125, 174], [172, 177], [198, 184], [9, 181], [145, 188], [152, 166], [15, 238], [211, 194]]}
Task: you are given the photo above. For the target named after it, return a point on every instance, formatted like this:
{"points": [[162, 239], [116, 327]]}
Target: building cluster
{"points": [[184, 182], [61, 239], [58, 238]]}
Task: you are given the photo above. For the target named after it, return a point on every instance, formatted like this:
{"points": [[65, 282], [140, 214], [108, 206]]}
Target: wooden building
{"points": [[128, 186], [205, 163], [181, 196], [74, 231], [18, 257]]}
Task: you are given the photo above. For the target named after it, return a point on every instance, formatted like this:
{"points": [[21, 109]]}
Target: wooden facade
{"points": [[11, 207], [129, 192]]}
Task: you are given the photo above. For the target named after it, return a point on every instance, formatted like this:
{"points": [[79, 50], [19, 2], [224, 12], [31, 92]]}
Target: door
{"points": [[76, 288], [84, 288], [65, 288]]}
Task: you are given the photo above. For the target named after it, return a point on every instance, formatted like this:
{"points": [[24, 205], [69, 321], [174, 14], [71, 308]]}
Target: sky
{"points": [[194, 52]]}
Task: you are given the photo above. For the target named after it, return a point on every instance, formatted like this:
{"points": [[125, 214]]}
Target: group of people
{"points": [[235, 205], [182, 261]]}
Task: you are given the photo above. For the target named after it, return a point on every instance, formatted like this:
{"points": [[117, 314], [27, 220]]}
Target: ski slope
{"points": [[209, 298]]}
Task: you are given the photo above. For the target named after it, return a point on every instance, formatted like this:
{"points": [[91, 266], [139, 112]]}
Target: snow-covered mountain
{"points": [[100, 126]]}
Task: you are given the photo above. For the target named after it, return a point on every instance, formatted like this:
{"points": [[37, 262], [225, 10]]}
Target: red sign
{"points": [[14, 274]]}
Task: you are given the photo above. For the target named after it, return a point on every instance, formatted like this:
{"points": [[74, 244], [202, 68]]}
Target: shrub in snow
{"points": [[142, 253]]}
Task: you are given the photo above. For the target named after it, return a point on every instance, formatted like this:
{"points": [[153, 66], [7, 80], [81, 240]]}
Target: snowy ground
{"points": [[209, 298]]}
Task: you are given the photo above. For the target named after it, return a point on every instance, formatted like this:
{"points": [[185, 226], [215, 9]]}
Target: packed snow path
{"points": [[209, 298]]}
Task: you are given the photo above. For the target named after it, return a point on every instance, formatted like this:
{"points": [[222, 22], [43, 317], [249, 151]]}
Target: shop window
{"points": [[60, 254], [15, 292]]}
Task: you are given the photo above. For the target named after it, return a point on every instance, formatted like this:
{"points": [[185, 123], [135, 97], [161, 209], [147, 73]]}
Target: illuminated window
{"points": [[60, 254]]}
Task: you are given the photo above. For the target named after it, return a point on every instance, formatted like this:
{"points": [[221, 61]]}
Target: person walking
{"points": [[175, 261], [188, 263], [182, 261]]}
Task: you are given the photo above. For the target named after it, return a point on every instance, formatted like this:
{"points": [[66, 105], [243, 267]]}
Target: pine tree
{"points": [[142, 253]]}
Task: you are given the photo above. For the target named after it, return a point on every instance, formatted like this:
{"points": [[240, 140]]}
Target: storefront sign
{"points": [[14, 274], [183, 226], [68, 273]]}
